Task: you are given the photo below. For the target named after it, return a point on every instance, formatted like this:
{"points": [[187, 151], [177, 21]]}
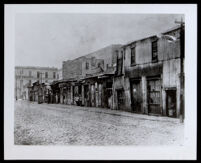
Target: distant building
{"points": [[26, 76], [80, 67], [87, 68]]}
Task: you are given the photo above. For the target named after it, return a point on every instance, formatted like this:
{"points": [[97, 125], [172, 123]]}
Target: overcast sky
{"points": [[49, 39]]}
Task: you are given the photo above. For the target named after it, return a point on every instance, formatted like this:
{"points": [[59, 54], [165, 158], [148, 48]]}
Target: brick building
{"points": [[81, 77]]}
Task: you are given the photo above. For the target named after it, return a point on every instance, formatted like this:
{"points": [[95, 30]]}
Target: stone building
{"points": [[147, 79], [27, 75]]}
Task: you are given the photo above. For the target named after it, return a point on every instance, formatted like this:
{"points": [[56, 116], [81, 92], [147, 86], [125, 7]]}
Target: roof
{"points": [[63, 81], [169, 30], [36, 67], [93, 54]]}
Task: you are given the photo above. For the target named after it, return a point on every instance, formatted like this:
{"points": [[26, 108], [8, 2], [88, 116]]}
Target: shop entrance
{"points": [[171, 103], [154, 96], [136, 96], [120, 99]]}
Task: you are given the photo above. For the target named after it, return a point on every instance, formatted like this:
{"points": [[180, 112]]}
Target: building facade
{"points": [[144, 76], [83, 78], [148, 77], [25, 76]]}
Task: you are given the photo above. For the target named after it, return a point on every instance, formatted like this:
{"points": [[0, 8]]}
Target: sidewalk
{"points": [[117, 112], [109, 111]]}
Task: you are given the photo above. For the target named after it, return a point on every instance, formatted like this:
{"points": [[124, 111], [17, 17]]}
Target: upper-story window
{"points": [[29, 73], [21, 71], [54, 75], [119, 66], [87, 65], [133, 60], [38, 74], [154, 51], [46, 74]]}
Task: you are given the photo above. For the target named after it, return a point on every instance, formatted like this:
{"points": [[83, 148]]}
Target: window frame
{"points": [[87, 65], [46, 75], [30, 73], [154, 50], [133, 63], [54, 75], [38, 74]]}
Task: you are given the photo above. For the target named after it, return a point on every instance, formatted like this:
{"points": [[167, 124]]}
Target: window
{"points": [[57, 76], [38, 74], [154, 51], [54, 75], [29, 73], [87, 65], [29, 82], [21, 83], [119, 66], [46, 74], [21, 71], [133, 56]]}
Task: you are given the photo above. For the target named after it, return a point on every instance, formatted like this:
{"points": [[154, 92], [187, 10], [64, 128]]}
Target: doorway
{"points": [[120, 99], [136, 96], [154, 96], [171, 103]]}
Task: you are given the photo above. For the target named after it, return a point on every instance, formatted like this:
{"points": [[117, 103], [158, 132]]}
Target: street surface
{"points": [[58, 124]]}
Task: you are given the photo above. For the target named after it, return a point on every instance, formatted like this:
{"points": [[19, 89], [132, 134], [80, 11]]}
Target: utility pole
{"points": [[182, 54]]}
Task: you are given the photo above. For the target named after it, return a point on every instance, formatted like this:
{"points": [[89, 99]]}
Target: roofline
{"points": [[37, 67], [86, 55], [167, 31]]}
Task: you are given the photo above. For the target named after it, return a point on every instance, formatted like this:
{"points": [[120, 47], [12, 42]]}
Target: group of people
{"points": [[51, 98]]}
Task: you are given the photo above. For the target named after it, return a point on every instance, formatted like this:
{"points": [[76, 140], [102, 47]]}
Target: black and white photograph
{"points": [[113, 78]]}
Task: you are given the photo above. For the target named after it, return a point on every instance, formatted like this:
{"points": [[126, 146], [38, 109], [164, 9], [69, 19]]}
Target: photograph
{"points": [[98, 79]]}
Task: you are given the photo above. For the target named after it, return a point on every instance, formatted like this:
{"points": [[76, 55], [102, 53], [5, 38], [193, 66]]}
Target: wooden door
{"points": [[171, 103], [136, 96], [120, 99], [154, 96]]}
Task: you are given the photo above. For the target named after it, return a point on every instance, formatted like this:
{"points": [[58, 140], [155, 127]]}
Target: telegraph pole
{"points": [[182, 51]]}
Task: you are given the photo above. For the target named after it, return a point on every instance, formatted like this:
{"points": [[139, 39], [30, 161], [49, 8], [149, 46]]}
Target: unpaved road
{"points": [[56, 124]]}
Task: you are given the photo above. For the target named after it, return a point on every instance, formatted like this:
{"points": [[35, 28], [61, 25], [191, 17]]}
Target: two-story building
{"points": [[83, 78], [148, 75], [27, 75]]}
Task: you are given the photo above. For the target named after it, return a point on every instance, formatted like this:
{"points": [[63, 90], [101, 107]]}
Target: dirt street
{"points": [[47, 124]]}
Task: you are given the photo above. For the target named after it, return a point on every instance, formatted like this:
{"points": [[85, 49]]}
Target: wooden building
{"points": [[147, 78]]}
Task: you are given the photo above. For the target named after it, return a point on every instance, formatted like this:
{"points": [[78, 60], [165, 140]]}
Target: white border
{"points": [[111, 152]]}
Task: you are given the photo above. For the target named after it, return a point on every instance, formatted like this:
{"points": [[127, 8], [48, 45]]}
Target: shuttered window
{"points": [[133, 61], [119, 66], [38, 74], [154, 51], [46, 74]]}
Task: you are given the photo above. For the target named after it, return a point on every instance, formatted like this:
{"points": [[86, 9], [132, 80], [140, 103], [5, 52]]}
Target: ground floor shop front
{"points": [[153, 93]]}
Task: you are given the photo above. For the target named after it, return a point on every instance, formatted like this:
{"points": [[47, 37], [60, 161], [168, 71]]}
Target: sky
{"points": [[47, 39]]}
